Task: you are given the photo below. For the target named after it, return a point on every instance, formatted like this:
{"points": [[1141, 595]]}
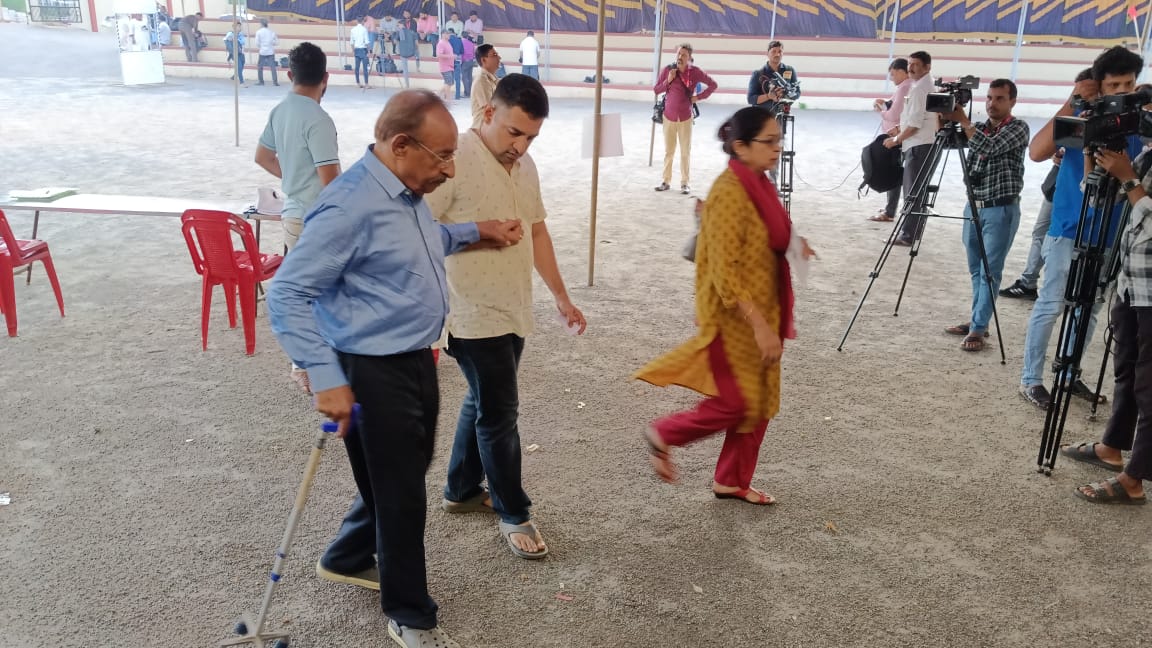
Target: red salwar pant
{"points": [[723, 413]]}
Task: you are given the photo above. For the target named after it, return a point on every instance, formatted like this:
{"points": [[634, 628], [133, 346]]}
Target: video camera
{"points": [[1105, 122], [954, 93]]}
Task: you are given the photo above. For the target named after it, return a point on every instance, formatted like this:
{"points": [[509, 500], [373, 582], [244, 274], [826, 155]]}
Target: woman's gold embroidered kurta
{"points": [[734, 263]]}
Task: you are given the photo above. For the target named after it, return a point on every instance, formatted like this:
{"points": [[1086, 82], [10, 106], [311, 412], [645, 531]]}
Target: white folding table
{"points": [[83, 203]]}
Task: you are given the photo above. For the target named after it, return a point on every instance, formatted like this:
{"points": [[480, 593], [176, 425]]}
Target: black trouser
{"points": [[270, 61], [390, 451], [893, 203], [914, 160], [1130, 427]]}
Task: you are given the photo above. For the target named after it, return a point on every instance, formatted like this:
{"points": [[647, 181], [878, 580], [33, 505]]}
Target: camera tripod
{"points": [[920, 198], [787, 156], [1094, 265]]}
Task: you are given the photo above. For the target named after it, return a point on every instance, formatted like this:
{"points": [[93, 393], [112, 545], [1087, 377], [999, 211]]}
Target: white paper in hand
{"points": [[796, 261], [570, 329]]}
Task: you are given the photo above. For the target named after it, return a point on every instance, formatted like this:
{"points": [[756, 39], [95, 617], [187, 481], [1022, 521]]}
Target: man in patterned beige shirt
{"points": [[485, 84], [490, 306]]}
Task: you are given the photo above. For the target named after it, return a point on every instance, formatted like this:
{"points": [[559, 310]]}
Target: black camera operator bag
{"points": [[882, 168], [658, 109]]}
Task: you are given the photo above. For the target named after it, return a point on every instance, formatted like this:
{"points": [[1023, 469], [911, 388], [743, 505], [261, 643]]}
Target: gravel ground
{"points": [[150, 481]]}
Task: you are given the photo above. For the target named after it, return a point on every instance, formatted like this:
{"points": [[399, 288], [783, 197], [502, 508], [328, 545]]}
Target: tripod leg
{"points": [[915, 195], [1109, 337]]}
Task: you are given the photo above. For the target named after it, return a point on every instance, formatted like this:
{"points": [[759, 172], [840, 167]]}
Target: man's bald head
{"points": [[416, 139]]}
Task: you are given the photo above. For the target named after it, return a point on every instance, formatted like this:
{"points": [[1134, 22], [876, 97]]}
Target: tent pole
{"points": [[892, 35], [236, 54], [772, 36], [661, 16], [1146, 50], [547, 40], [1019, 37], [596, 127], [235, 62]]}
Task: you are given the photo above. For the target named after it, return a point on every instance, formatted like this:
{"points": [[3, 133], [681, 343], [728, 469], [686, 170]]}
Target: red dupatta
{"points": [[763, 194]]}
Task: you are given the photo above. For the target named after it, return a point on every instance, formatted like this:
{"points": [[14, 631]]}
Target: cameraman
{"points": [[1113, 73], [915, 134], [1130, 427], [775, 82], [996, 171]]}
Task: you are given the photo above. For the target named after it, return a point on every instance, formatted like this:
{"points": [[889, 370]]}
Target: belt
{"points": [[997, 202]]}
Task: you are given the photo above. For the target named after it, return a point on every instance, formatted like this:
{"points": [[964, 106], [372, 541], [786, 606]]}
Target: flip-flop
{"points": [[961, 329], [669, 473], [474, 504], [1085, 452], [972, 343], [528, 529], [742, 495], [1109, 491]]}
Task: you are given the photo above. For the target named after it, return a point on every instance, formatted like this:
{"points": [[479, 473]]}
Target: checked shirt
{"points": [[1135, 278], [996, 158]]}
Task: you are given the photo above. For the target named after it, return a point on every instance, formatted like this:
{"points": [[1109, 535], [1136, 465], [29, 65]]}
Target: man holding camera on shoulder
{"points": [[996, 172], [1113, 73]]}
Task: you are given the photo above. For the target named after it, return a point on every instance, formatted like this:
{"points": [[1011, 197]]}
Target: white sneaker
{"points": [[417, 638]]}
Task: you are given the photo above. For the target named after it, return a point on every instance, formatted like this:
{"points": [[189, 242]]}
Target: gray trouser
{"points": [[191, 45], [1031, 274], [914, 159]]}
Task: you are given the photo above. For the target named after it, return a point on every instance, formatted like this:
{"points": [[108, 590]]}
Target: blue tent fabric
{"points": [[1051, 19]]}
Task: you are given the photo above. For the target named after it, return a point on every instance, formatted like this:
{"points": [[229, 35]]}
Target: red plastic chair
{"points": [[16, 253], [209, 235]]}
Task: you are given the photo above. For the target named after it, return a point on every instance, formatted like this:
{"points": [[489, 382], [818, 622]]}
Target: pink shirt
{"points": [[445, 55], [678, 101], [890, 117], [426, 26]]}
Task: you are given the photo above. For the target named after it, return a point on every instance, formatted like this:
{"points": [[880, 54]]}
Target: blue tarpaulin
{"points": [[1095, 20]]}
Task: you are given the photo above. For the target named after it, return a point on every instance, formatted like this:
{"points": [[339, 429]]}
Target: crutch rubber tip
{"points": [[240, 628]]}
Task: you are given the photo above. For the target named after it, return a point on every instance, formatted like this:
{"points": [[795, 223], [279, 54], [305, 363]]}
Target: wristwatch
{"points": [[1129, 185]]}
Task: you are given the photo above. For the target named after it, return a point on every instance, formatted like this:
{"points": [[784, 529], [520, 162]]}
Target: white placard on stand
{"points": [[611, 137], [141, 68]]}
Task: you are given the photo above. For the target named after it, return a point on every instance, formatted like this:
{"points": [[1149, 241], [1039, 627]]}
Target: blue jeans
{"points": [[240, 67], [1048, 308], [361, 59], [456, 77], [487, 437], [1031, 274], [532, 71], [998, 226]]}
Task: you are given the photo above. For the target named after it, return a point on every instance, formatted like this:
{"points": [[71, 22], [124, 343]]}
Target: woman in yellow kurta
{"points": [[744, 312]]}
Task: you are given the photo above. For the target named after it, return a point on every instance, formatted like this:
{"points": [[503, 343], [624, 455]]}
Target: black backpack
{"points": [[385, 65], [883, 170]]}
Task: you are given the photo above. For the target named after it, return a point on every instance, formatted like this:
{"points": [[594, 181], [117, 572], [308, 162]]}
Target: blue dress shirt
{"points": [[367, 276]]}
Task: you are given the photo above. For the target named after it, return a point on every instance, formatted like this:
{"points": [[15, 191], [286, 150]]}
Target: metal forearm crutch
{"points": [[253, 632]]}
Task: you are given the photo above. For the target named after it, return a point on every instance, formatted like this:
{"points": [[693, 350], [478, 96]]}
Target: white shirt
{"points": [[266, 41], [914, 114], [530, 51], [489, 291], [358, 37]]}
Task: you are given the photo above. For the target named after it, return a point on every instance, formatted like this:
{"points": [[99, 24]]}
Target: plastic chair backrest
{"points": [[209, 238], [7, 238]]}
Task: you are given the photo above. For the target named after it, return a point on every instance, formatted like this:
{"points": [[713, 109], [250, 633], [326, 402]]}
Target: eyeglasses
{"points": [[444, 160], [763, 141]]}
